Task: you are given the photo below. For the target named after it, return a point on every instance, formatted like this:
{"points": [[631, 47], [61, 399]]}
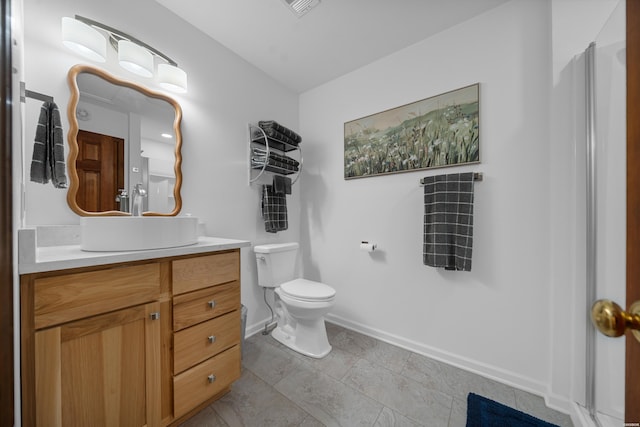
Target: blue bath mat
{"points": [[483, 412]]}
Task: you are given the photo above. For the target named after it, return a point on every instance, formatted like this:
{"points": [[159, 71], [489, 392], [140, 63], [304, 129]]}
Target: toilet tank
{"points": [[276, 263]]}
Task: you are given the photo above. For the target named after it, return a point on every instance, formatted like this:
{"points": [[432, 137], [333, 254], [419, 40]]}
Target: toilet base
{"points": [[310, 340]]}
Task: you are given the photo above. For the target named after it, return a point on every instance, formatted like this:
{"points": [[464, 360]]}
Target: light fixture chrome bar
{"points": [[115, 34]]}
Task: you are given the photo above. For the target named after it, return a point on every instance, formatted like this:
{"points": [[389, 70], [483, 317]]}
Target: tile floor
{"points": [[362, 382]]}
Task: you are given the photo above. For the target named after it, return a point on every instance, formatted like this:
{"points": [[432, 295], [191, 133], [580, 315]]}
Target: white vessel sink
{"points": [[134, 233]]}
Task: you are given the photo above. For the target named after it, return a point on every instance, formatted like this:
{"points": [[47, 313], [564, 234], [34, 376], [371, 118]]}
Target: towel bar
{"points": [[25, 93], [477, 176]]}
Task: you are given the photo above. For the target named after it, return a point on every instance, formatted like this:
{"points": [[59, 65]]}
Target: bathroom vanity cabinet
{"points": [[206, 328], [141, 343]]}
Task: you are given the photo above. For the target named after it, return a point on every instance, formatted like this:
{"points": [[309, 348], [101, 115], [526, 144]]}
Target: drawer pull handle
{"points": [[211, 378], [212, 339], [155, 315], [211, 304]]}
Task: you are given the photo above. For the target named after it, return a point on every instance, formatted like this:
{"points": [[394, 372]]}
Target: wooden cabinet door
{"points": [[100, 371]]}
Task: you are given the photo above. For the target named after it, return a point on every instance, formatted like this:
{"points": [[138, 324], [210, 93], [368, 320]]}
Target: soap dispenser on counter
{"points": [[123, 200]]}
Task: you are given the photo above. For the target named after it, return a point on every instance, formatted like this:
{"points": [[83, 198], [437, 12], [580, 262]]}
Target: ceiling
{"points": [[335, 38]]}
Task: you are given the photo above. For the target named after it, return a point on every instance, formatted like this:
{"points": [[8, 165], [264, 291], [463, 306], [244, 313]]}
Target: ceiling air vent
{"points": [[300, 7]]}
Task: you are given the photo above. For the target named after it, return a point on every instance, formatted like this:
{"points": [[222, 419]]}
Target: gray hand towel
{"points": [[47, 162], [274, 210], [448, 221], [58, 165], [40, 171], [281, 184]]}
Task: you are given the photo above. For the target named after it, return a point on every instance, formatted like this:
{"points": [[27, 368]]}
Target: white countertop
{"points": [[51, 258]]}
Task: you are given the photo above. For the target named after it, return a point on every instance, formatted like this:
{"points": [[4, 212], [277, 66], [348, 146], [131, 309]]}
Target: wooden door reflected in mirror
{"points": [[100, 168]]}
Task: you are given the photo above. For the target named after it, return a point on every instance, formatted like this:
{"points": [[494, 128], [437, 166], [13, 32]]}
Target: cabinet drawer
{"points": [[205, 304], [200, 342], [201, 272], [205, 380], [67, 297]]}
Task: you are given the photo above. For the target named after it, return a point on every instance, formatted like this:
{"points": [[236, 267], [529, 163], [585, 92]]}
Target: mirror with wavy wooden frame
{"points": [[130, 106]]}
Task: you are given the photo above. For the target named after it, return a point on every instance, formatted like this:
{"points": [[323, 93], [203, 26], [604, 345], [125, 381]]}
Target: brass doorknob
{"points": [[612, 320]]}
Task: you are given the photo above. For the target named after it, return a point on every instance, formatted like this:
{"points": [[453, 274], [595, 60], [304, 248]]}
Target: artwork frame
{"points": [[434, 132]]}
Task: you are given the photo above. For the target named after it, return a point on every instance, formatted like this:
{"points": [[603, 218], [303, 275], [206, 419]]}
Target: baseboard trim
{"points": [[500, 375], [487, 371], [255, 328], [580, 417], [559, 403]]}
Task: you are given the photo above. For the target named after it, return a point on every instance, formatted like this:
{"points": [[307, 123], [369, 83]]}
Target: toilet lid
{"points": [[308, 290]]}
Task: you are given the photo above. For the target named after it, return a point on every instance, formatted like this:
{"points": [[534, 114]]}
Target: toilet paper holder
{"points": [[367, 247]]}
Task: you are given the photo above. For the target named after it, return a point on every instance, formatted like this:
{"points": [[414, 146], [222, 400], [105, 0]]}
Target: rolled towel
{"points": [[280, 137], [261, 153], [288, 133]]}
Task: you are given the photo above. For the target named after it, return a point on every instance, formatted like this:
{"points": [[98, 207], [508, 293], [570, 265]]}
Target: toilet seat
{"points": [[307, 290]]}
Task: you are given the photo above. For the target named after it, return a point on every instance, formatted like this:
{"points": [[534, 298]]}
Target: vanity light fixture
{"points": [[172, 78], [135, 58], [81, 35], [84, 39]]}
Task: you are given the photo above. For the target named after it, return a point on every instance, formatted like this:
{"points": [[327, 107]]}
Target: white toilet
{"points": [[300, 304]]}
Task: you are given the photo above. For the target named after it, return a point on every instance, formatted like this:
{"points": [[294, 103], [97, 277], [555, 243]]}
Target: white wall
{"points": [[102, 120], [495, 319], [519, 315], [225, 93]]}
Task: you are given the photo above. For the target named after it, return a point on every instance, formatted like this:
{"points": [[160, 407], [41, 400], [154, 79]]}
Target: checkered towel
{"points": [[448, 221], [274, 210], [47, 163]]}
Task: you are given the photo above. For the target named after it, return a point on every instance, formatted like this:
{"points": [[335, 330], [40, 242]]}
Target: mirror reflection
{"points": [[124, 147]]}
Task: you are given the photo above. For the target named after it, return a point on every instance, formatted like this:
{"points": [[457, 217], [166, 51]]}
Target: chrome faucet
{"points": [[138, 194]]}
